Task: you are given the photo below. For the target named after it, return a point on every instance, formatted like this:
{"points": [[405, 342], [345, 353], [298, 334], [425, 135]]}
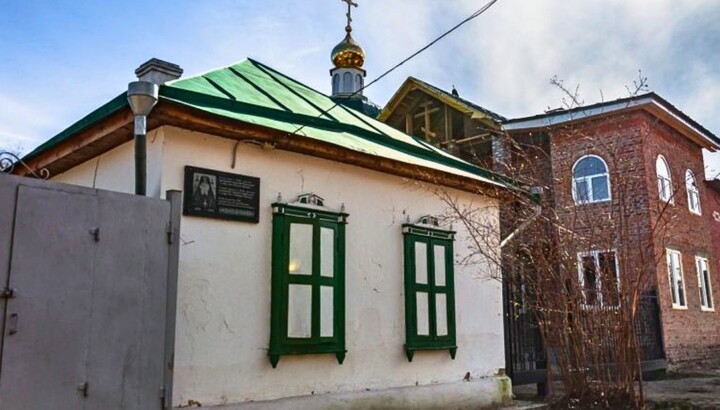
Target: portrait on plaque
{"points": [[222, 195], [204, 187]]}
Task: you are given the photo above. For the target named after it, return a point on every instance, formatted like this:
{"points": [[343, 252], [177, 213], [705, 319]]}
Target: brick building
{"points": [[641, 157], [632, 165]]}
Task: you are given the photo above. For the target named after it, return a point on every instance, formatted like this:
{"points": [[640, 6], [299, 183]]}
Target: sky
{"points": [[60, 59]]}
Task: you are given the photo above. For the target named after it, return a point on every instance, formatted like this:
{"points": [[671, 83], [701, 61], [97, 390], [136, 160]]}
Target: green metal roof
{"points": [[257, 94]]}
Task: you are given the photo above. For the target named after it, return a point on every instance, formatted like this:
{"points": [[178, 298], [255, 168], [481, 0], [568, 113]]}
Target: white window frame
{"points": [[665, 188], [588, 183], [674, 289], [692, 191], [599, 281], [705, 288]]}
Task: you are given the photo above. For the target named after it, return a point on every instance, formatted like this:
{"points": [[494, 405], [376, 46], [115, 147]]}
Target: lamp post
{"points": [[142, 97]]}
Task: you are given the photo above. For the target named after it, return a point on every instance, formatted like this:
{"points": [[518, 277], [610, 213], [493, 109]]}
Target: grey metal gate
{"points": [[89, 286]]}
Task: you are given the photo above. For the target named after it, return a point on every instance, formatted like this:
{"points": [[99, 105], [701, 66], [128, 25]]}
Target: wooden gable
{"points": [[443, 120]]}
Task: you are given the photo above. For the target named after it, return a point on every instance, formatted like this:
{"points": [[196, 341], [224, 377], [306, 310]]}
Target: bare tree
{"points": [[583, 269]]}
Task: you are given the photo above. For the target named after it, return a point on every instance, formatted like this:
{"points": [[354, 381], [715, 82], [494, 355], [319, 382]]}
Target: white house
{"points": [[313, 270]]}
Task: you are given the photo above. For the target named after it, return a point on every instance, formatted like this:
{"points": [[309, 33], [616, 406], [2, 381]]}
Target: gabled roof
{"points": [[254, 94], [651, 102], [411, 83]]}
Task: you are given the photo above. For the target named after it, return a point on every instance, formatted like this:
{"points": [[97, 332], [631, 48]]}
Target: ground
{"points": [[672, 391]]}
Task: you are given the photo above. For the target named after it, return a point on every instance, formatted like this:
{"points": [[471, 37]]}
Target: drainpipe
{"points": [[142, 97], [537, 209]]}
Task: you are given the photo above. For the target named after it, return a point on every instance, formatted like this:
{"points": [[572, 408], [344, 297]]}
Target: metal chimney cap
{"points": [[158, 71], [159, 65], [142, 97]]}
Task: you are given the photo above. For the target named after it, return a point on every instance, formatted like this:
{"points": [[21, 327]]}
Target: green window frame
{"points": [[308, 280], [429, 288]]}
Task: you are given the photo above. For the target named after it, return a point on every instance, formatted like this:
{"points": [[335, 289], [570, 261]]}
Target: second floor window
{"points": [[591, 182], [665, 190], [693, 192]]}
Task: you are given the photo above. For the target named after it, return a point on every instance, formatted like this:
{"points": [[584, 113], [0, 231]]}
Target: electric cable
{"points": [[474, 15]]}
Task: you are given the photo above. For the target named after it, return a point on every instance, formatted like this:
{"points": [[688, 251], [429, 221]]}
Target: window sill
{"points": [[695, 213], [410, 351], [274, 356], [704, 309], [593, 202], [679, 307]]}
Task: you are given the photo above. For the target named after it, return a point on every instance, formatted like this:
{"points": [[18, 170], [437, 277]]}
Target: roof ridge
{"points": [[206, 72], [465, 101]]}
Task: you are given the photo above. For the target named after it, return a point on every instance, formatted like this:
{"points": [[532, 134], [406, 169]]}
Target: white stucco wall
{"points": [[224, 299], [116, 168], [224, 279]]}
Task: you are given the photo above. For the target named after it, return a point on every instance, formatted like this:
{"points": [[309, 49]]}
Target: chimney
{"points": [[158, 72]]}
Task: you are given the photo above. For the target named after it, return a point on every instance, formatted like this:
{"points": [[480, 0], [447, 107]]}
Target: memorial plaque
{"points": [[215, 194]]}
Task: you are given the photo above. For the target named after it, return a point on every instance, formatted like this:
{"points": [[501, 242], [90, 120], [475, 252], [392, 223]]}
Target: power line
{"points": [[474, 15]]}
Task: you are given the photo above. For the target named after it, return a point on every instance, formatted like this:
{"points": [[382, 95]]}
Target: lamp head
{"points": [[142, 97]]}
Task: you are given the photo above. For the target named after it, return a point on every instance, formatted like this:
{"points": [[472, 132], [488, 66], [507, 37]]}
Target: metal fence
{"points": [[525, 353]]}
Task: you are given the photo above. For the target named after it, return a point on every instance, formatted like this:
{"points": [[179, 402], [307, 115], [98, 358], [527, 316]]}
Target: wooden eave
{"points": [[117, 129]]}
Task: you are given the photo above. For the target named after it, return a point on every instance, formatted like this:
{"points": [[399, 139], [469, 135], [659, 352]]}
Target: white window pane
{"points": [[441, 314], [439, 254], [299, 310], [300, 249], [581, 191], [694, 201], [673, 267], [678, 279], [327, 254], [704, 283], [420, 262], [423, 314], [600, 189], [326, 311], [671, 274]]}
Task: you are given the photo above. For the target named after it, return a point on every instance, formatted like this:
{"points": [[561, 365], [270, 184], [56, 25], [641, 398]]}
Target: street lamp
{"points": [[142, 97]]}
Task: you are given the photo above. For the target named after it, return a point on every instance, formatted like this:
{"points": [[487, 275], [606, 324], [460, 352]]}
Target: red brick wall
{"points": [[618, 140], [630, 143], [691, 336]]}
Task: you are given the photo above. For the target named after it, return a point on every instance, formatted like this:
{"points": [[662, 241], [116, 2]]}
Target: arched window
{"points": [[591, 182], [664, 180], [358, 82], [347, 83], [336, 84], [693, 192]]}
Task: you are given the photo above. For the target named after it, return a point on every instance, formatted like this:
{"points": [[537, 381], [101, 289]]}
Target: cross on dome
{"points": [[350, 4]]}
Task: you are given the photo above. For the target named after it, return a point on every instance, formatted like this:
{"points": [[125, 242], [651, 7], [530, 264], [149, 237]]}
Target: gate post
{"points": [[175, 198]]}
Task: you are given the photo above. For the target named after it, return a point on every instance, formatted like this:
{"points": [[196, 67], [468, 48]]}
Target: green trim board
{"points": [[429, 289], [253, 93], [300, 321]]}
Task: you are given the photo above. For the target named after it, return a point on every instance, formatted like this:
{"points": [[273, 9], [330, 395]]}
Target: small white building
{"points": [[316, 268]]}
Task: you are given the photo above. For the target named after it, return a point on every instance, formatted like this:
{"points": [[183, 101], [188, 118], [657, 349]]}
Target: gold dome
{"points": [[348, 53]]}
